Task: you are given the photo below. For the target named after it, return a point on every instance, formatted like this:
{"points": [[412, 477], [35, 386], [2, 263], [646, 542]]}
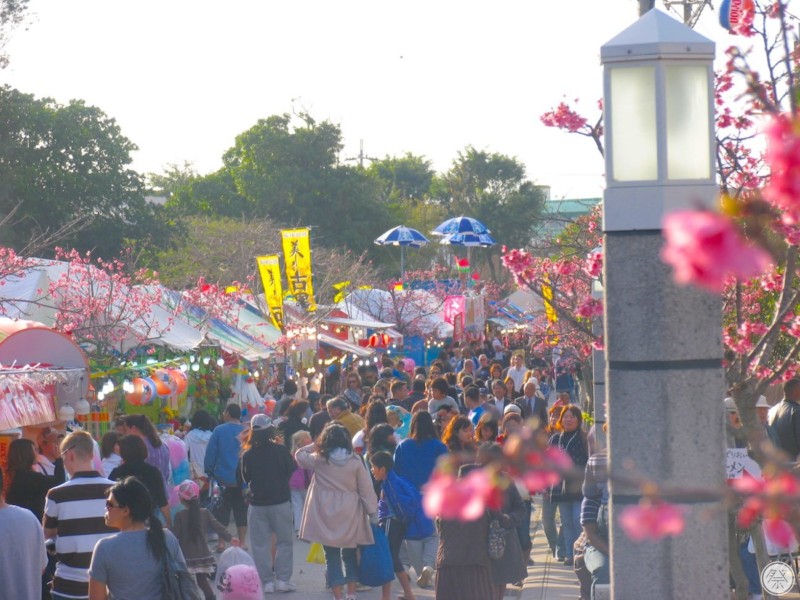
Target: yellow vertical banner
{"points": [[269, 267], [549, 311], [297, 256]]}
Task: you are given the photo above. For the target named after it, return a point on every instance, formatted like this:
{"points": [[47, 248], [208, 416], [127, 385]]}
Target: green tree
{"points": [[68, 164], [291, 173], [212, 195], [494, 189], [13, 13], [402, 178]]}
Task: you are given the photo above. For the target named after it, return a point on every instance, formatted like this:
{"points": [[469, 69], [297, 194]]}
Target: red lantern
{"points": [[181, 381], [143, 392], [378, 340]]}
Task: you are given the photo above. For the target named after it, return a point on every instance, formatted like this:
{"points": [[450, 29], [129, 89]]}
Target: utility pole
{"points": [[646, 5], [361, 157]]}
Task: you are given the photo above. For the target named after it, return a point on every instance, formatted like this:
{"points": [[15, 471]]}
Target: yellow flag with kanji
{"points": [[297, 257], [269, 267]]}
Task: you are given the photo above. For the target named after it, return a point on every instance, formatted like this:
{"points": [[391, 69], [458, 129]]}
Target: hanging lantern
{"points": [[66, 413], [165, 382], [181, 381], [378, 340], [144, 392]]}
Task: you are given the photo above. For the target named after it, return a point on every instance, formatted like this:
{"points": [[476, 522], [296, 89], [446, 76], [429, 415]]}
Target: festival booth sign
{"points": [[42, 370]]}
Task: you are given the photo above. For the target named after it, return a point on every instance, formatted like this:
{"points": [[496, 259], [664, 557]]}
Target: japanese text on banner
{"points": [[297, 256], [269, 268]]}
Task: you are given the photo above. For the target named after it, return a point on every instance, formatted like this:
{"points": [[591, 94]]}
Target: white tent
{"points": [[411, 309], [28, 297]]}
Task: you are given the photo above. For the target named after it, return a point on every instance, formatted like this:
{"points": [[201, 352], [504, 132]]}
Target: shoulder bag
{"points": [[497, 539], [179, 584]]}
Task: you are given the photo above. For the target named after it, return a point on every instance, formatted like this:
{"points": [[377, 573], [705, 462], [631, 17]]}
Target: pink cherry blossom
{"points": [[594, 264], [779, 532], [704, 249], [564, 117], [590, 308], [463, 499], [783, 158], [652, 520]]}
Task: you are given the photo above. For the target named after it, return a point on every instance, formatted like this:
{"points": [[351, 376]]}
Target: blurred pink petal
{"points": [[705, 248], [463, 499], [651, 521], [538, 481], [779, 533], [747, 484], [783, 158]]}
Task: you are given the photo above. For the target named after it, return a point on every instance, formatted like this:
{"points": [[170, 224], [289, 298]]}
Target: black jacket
{"points": [[266, 470], [785, 423]]}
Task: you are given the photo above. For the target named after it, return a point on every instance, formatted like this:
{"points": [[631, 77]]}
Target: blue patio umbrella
{"points": [[469, 240], [460, 225], [402, 236]]}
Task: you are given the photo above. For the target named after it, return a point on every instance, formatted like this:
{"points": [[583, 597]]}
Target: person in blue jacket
{"points": [[399, 513], [414, 460], [222, 458]]}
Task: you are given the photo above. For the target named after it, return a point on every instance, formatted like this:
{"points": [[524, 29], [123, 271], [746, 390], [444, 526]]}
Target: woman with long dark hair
{"points": [[191, 528], [157, 451], [339, 502], [265, 468], [25, 487], [133, 451], [129, 565], [197, 443], [567, 495], [414, 460], [459, 436], [554, 535], [295, 421], [375, 415]]}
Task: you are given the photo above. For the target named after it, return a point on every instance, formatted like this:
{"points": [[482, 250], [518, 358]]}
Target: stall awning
{"points": [[365, 323], [342, 346]]}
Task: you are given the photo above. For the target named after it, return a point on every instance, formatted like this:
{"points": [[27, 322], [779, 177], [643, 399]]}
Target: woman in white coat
{"points": [[339, 505]]}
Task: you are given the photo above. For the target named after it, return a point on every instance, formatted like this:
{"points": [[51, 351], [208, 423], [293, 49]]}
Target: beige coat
{"points": [[338, 501]]}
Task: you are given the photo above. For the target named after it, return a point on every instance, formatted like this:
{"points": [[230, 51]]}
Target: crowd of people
{"points": [[331, 468]]}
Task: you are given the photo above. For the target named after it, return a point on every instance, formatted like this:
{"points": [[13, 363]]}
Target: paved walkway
{"points": [[547, 579]]}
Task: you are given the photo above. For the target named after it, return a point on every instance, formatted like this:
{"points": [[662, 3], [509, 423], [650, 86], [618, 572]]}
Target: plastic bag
{"points": [[234, 582], [316, 555], [375, 567]]}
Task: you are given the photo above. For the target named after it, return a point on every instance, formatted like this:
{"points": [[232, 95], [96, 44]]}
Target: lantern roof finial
{"points": [[656, 35]]}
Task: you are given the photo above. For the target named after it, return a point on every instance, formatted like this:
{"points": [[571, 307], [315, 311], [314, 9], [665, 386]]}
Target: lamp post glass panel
{"points": [[663, 342]]}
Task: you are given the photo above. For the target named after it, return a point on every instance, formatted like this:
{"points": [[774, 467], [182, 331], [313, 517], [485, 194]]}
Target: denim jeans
{"points": [[750, 567], [298, 501], [597, 564], [334, 557], [265, 521], [570, 523], [551, 532]]}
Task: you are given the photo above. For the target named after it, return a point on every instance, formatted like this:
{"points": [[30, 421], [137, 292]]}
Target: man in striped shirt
{"points": [[594, 518], [73, 514]]}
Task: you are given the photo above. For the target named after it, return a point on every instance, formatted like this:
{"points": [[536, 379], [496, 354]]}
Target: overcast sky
{"points": [[183, 78]]}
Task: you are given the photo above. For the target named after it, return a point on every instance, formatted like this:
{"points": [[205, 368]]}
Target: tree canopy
{"points": [[68, 166]]}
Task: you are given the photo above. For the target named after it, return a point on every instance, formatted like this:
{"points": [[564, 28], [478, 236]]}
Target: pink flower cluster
{"points": [[705, 248], [772, 498], [464, 499], [590, 308], [783, 158], [564, 117], [652, 520], [594, 264]]}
